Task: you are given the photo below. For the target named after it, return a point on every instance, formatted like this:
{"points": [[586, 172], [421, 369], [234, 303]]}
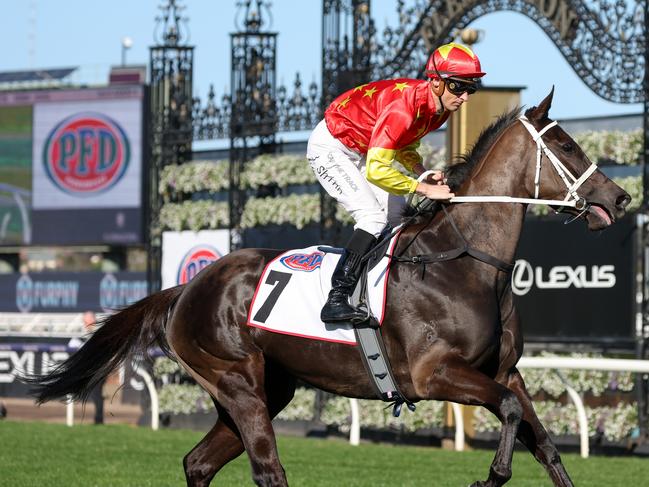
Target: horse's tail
{"points": [[132, 330]]}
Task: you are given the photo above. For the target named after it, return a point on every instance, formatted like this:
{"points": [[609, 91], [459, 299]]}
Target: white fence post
{"points": [[581, 415], [355, 430], [459, 426], [69, 411], [153, 394]]}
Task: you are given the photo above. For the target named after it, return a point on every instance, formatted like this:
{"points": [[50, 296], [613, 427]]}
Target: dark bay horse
{"points": [[452, 335]]}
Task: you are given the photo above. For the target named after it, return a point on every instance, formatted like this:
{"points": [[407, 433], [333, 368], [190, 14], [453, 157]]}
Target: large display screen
{"points": [[15, 174], [72, 166]]}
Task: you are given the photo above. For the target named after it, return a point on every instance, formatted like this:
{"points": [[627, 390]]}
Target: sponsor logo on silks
{"points": [[195, 261], [86, 154], [303, 262]]}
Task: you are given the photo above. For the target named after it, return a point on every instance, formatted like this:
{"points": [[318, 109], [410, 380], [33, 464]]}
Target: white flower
{"points": [[612, 146]]}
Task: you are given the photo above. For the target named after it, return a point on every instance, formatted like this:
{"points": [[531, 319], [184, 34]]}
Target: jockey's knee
{"points": [[373, 223]]}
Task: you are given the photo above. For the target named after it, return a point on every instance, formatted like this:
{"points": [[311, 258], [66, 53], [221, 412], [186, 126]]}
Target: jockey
{"points": [[363, 132]]}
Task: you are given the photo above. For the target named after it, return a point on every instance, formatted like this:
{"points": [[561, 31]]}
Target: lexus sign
{"points": [[570, 284], [524, 277]]}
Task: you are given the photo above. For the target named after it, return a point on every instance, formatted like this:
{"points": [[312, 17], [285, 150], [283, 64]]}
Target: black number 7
{"points": [[274, 277]]}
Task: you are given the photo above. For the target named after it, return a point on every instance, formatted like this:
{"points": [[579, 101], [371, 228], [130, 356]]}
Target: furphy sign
{"points": [[524, 277], [115, 293], [46, 294], [66, 292], [569, 283], [86, 153]]}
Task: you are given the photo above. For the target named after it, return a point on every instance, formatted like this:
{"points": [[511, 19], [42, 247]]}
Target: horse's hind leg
{"points": [[534, 436], [453, 379], [238, 386], [242, 394], [223, 442]]}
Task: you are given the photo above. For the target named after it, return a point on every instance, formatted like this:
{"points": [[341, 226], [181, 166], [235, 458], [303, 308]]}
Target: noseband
{"points": [[572, 183]]}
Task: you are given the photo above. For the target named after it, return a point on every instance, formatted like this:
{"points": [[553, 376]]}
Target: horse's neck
{"points": [[493, 228]]}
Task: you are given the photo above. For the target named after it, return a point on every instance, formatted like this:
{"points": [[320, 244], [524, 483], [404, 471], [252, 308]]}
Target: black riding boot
{"points": [[344, 279]]}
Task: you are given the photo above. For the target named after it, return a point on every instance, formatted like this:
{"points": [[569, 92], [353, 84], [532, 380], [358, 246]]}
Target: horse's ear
{"points": [[541, 112]]}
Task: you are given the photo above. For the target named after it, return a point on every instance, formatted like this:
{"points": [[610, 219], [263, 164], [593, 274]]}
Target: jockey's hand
{"points": [[437, 191], [436, 177]]}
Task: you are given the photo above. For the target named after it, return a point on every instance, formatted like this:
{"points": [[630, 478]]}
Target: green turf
{"points": [[38, 454]]}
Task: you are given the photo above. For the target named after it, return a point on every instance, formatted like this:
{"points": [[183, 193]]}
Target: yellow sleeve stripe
{"points": [[380, 154], [379, 171], [409, 158]]}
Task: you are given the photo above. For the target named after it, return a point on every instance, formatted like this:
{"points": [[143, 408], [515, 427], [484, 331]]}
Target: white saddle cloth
{"points": [[294, 286]]}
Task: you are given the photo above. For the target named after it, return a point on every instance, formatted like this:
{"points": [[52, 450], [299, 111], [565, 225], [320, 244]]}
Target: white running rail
{"points": [[570, 363], [550, 363]]}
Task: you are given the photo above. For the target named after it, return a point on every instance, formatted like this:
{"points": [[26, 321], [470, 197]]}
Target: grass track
{"points": [[40, 454]]}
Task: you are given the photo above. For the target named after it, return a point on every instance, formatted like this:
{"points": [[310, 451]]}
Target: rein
{"points": [[424, 259]]}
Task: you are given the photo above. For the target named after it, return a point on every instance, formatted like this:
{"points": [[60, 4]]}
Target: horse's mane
{"points": [[462, 165]]}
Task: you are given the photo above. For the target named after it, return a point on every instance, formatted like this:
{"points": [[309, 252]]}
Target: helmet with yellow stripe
{"points": [[453, 60]]}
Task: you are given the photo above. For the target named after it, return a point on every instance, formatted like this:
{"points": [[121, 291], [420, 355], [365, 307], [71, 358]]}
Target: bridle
{"points": [[572, 199], [572, 183]]}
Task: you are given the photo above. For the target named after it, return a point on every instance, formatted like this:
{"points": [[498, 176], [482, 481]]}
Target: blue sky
{"points": [[49, 33]]}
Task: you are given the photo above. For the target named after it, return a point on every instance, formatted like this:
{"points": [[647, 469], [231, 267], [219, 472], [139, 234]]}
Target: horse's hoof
{"points": [[479, 483]]}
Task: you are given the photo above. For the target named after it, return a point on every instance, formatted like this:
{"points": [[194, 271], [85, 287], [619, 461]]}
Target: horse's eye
{"points": [[567, 147]]}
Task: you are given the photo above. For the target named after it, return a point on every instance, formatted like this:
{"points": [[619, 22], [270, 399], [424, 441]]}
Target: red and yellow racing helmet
{"points": [[453, 60]]}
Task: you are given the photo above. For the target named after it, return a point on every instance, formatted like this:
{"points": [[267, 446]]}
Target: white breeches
{"points": [[341, 171]]}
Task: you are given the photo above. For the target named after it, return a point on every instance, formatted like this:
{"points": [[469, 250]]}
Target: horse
{"points": [[451, 333]]}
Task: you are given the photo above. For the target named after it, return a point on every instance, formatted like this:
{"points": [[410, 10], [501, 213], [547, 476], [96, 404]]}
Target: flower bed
{"points": [[177, 183]]}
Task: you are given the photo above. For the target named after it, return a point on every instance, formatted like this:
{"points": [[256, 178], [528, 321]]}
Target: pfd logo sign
{"points": [[86, 154], [195, 261]]}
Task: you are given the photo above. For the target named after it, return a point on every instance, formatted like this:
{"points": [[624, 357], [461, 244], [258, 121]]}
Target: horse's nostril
{"points": [[622, 201]]}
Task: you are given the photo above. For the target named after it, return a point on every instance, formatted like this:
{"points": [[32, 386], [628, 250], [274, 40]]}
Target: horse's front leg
{"points": [[534, 436], [452, 379], [530, 432]]}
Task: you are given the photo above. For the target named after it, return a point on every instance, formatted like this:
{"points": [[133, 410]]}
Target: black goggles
{"points": [[459, 87]]}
